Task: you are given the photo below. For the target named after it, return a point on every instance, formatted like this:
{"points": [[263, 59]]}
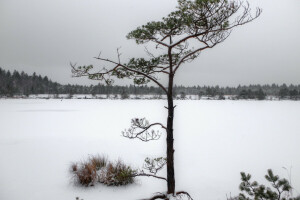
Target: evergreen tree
{"points": [[24, 84], [283, 92], [192, 28], [260, 95], [252, 190], [124, 95]]}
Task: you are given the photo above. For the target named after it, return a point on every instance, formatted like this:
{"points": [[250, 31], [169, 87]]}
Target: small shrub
{"points": [[117, 174], [86, 174], [98, 169], [98, 161]]}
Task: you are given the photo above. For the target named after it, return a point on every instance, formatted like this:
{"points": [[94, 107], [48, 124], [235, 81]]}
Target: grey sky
{"points": [[44, 36]]}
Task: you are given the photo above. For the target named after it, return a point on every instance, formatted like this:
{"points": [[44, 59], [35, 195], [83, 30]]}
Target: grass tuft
{"points": [[98, 161], [85, 173], [98, 169], [117, 174]]}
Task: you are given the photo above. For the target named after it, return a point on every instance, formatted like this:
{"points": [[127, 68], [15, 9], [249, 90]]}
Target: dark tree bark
{"points": [[170, 141], [170, 137]]}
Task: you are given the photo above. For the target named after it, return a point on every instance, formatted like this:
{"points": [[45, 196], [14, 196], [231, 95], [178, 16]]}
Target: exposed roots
{"points": [[181, 195], [184, 193], [158, 196]]}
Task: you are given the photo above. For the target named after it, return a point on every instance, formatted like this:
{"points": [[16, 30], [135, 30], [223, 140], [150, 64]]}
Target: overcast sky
{"points": [[44, 36]]}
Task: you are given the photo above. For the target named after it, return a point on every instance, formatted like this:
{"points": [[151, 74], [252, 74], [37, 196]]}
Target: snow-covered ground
{"points": [[214, 141]]}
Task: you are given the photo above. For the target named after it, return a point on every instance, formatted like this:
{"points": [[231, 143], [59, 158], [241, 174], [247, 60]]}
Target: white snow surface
{"points": [[214, 142]]}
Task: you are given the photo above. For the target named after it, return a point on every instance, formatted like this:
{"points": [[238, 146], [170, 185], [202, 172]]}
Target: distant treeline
{"points": [[15, 83]]}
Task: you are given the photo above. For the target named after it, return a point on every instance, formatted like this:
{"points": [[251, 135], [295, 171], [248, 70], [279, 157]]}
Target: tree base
{"points": [[182, 195]]}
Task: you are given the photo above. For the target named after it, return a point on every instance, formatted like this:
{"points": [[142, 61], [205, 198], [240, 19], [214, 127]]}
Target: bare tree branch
{"points": [[188, 55], [149, 175], [84, 71]]}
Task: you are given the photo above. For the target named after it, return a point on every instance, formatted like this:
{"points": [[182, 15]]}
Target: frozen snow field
{"points": [[214, 141]]}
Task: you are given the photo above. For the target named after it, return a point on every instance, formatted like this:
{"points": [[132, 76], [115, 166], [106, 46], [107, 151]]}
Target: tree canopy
{"points": [[193, 27]]}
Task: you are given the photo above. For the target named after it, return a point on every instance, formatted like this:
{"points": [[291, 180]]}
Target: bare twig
{"points": [[150, 175]]}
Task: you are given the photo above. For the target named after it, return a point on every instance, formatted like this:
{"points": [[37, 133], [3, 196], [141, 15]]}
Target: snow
{"points": [[214, 142]]}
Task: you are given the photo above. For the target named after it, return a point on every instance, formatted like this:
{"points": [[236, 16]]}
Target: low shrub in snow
{"points": [[84, 173], [98, 169], [98, 161], [116, 174]]}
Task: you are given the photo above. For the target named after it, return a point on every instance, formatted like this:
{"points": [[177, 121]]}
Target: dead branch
{"points": [[149, 175]]}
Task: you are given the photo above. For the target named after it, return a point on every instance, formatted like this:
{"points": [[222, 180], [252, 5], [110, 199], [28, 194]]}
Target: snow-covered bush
{"points": [[116, 174], [98, 161], [98, 169], [84, 173]]}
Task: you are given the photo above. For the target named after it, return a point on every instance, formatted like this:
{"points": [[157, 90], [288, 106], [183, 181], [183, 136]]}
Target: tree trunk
{"points": [[170, 141]]}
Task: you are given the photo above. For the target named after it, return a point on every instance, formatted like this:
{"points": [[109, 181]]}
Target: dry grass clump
{"points": [[98, 161], [98, 169], [84, 173], [87, 174], [116, 174]]}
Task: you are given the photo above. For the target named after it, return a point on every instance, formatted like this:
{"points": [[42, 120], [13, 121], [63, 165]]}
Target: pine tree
{"points": [[192, 28]]}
